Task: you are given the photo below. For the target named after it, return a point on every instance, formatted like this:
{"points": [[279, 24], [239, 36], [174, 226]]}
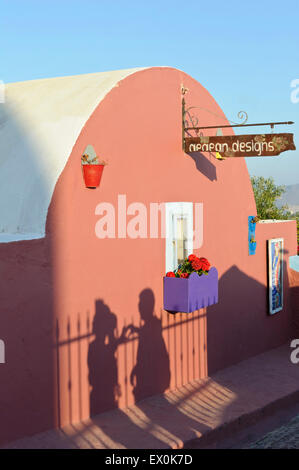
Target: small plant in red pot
{"points": [[92, 169]]}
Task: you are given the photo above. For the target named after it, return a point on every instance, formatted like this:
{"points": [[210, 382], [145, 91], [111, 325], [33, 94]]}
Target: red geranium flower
{"points": [[184, 275], [189, 265], [197, 264], [205, 263]]}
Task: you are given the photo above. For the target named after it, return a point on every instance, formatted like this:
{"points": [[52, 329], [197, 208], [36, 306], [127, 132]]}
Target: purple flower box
{"points": [[193, 293]]}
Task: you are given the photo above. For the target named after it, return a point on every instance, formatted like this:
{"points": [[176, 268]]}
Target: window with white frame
{"points": [[179, 233]]}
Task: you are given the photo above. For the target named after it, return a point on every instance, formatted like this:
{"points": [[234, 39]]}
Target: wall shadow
{"points": [[102, 364], [204, 165], [124, 369], [165, 416], [151, 373], [149, 377], [294, 294], [232, 334], [26, 292]]}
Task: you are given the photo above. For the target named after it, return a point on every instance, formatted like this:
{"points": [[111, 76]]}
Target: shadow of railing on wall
{"points": [[102, 359]]}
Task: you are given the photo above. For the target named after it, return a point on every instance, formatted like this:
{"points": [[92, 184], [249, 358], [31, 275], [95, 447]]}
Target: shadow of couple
{"points": [[151, 373]]}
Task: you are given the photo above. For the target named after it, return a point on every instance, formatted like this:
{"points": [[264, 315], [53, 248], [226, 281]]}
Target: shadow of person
{"points": [[151, 374], [150, 378], [102, 365]]}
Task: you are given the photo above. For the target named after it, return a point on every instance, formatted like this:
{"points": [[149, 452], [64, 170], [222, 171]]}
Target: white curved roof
{"points": [[40, 122]]}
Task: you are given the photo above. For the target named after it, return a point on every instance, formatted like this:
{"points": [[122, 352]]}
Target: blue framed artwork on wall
{"points": [[275, 260], [251, 235]]}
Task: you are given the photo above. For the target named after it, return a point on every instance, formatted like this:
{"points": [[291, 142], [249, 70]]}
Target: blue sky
{"points": [[245, 53]]}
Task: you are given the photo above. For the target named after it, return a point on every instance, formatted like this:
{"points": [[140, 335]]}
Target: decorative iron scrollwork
{"points": [[190, 120], [242, 115]]}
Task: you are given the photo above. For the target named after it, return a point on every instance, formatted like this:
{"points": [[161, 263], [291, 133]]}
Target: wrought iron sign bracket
{"points": [[231, 145], [221, 126]]}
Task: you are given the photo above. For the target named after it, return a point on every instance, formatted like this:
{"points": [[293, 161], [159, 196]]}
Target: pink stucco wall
{"points": [[26, 327], [294, 295], [80, 292]]}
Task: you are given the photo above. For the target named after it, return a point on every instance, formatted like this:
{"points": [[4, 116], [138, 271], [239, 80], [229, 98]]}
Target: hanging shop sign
{"points": [[250, 145]]}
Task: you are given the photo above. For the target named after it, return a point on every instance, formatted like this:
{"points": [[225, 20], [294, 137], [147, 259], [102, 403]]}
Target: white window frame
{"points": [[173, 210]]}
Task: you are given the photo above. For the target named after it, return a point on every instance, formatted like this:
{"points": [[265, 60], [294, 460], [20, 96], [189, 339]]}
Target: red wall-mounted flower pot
{"points": [[92, 175]]}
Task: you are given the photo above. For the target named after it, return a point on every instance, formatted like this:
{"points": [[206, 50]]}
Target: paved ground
{"points": [[284, 437], [203, 413], [279, 430]]}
